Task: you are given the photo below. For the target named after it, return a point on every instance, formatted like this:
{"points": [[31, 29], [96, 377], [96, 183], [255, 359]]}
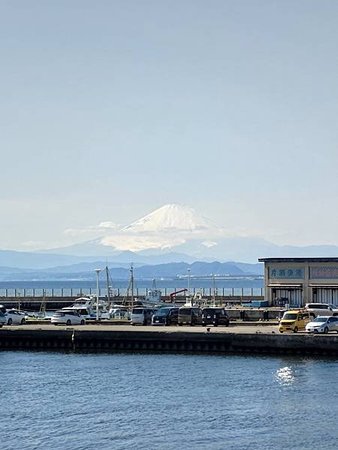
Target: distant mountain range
{"points": [[177, 233], [163, 243], [86, 271]]}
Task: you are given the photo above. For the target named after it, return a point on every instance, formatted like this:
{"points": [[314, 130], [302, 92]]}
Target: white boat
{"points": [[153, 296], [87, 306], [94, 307]]}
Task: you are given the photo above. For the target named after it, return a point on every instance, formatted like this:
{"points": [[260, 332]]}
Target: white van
{"points": [[141, 315], [320, 309]]}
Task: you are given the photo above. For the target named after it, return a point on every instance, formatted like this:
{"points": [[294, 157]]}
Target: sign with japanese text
{"points": [[286, 273]]}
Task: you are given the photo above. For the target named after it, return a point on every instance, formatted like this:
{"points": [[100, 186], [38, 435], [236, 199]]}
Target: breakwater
{"points": [[75, 340]]}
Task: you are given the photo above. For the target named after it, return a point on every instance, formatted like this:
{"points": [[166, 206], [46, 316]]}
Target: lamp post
{"points": [[132, 285], [189, 282], [97, 292]]}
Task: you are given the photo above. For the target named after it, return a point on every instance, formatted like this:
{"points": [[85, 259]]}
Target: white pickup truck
{"points": [[321, 309]]}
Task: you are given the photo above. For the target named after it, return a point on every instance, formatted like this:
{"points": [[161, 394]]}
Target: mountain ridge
{"points": [[170, 234], [86, 271], [175, 232]]}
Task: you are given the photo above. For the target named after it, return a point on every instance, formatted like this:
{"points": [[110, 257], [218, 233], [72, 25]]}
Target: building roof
{"points": [[304, 259]]}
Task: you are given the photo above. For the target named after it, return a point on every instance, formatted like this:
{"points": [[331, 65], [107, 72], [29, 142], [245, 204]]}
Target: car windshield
{"points": [[185, 311], [163, 312], [320, 319], [137, 311], [290, 316], [209, 311]]}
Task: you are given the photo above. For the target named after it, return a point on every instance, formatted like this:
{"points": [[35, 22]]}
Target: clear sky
{"points": [[112, 108]]}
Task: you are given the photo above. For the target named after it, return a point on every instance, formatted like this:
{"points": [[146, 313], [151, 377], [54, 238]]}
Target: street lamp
{"points": [[188, 281], [97, 292], [214, 290]]}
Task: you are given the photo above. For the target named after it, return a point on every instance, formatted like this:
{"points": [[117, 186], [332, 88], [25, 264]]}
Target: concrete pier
{"points": [[170, 340]]}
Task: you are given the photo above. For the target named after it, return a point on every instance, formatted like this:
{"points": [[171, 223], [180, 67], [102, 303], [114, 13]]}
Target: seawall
{"points": [[74, 340]]}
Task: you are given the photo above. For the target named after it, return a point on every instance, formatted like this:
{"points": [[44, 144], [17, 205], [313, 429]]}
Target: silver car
{"points": [[15, 317], [322, 324]]}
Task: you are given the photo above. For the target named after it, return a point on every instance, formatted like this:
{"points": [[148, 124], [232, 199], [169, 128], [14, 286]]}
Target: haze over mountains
{"points": [[174, 231], [171, 234]]}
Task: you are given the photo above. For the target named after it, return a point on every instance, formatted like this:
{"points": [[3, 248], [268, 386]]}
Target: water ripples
{"points": [[285, 376], [165, 402]]}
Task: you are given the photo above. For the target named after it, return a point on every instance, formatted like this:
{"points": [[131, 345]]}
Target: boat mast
{"points": [[108, 287], [132, 285], [97, 293]]}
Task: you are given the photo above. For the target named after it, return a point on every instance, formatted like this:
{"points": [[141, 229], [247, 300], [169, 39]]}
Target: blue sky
{"points": [[111, 109]]}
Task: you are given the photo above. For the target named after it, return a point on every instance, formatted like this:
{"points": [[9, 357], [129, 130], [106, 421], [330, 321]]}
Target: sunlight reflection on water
{"points": [[285, 376]]}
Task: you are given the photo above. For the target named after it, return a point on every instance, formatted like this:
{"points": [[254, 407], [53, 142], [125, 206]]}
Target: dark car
{"points": [[214, 316], [165, 316], [189, 315], [3, 319]]}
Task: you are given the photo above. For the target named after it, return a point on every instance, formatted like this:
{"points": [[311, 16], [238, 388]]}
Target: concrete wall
{"points": [[167, 342]]}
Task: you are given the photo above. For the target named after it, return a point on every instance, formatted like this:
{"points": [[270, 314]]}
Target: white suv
{"points": [[321, 309], [64, 317]]}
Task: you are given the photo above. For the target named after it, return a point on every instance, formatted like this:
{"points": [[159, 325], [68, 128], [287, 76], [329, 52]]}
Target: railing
{"points": [[139, 292]]}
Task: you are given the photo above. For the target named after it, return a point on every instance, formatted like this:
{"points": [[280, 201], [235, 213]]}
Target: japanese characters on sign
{"points": [[289, 273]]}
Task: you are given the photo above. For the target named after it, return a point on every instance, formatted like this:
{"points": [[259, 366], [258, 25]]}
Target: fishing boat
{"points": [[153, 296], [87, 307]]}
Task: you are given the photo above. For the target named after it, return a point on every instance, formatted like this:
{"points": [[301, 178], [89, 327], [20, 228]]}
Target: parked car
{"points": [[3, 320], [64, 317], [214, 316], [189, 315], [322, 324], [141, 315], [294, 320], [321, 309], [15, 317], [167, 315]]}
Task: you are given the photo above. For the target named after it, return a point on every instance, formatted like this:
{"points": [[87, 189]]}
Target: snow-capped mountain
{"points": [[178, 233], [171, 218], [165, 228]]}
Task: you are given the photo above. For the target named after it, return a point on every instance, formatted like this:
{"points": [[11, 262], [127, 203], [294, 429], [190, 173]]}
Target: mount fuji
{"points": [[174, 233], [170, 234], [171, 218]]}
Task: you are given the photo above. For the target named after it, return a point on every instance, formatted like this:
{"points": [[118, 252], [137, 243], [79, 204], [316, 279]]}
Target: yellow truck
{"points": [[294, 320]]}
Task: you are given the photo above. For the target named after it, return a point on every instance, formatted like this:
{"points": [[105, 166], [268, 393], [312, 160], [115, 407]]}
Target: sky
{"points": [[111, 109]]}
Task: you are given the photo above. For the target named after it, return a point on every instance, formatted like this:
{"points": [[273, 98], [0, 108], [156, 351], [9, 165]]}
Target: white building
{"points": [[300, 280]]}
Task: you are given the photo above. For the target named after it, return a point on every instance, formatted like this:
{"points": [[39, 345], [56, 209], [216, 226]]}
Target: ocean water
{"points": [[241, 286], [144, 401]]}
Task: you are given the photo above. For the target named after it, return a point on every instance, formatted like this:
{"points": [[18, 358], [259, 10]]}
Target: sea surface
{"points": [[236, 286], [144, 401]]}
